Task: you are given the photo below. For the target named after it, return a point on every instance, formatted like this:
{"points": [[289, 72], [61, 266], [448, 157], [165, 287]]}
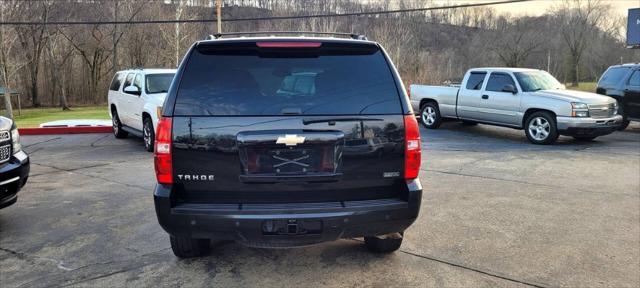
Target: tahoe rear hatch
{"points": [[263, 121]]}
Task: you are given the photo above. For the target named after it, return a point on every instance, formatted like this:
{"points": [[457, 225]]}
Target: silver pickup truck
{"points": [[527, 99]]}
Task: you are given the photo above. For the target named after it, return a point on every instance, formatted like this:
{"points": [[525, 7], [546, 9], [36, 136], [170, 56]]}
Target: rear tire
{"points": [[384, 244], [540, 128], [184, 247], [430, 116], [148, 135], [117, 125]]}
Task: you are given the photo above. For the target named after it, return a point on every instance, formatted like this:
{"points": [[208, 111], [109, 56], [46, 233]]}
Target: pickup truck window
{"points": [[498, 80], [475, 80], [635, 78], [536, 80], [613, 76]]}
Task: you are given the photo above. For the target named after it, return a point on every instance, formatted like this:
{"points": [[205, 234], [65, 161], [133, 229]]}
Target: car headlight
{"points": [[15, 140], [579, 109]]}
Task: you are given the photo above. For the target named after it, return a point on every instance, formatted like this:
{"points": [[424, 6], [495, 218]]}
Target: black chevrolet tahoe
{"points": [[622, 82], [14, 163], [251, 146]]}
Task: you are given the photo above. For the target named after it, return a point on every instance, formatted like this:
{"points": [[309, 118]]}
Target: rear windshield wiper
{"points": [[332, 120]]}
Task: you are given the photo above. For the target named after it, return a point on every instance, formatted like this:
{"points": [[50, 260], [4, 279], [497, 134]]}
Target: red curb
{"points": [[65, 130]]}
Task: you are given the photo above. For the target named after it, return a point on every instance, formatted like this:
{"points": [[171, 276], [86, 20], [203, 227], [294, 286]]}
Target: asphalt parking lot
{"points": [[497, 212]]}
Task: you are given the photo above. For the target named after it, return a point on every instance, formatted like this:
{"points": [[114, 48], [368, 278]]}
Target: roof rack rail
{"points": [[273, 33]]}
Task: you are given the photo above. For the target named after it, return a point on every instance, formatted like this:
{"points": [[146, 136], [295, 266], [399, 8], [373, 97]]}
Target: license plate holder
{"points": [[292, 161]]}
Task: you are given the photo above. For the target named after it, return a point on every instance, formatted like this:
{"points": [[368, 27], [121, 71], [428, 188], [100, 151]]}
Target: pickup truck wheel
{"points": [[117, 126], [385, 243], [540, 128], [184, 247], [430, 116], [148, 135]]}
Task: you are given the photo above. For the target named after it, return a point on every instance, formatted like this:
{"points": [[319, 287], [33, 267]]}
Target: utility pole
{"points": [[548, 60], [219, 15]]}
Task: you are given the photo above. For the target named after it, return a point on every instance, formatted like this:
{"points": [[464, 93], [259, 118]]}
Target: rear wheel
{"points": [[540, 128], [117, 125], [430, 116], [147, 134], [184, 247], [384, 243]]}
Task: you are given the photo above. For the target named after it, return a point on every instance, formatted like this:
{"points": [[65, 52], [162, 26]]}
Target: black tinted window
{"points": [[117, 80], [498, 80], [613, 76], [158, 83], [475, 80], [250, 82], [635, 78]]}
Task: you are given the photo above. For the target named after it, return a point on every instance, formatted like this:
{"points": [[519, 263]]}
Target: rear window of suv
{"points": [[249, 81]]}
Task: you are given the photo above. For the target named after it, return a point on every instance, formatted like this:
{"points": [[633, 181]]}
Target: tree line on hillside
{"points": [[66, 65]]}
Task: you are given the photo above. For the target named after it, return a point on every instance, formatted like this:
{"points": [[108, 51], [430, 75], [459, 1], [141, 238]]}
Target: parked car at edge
{"points": [[276, 113], [14, 163], [135, 99], [622, 82], [527, 99]]}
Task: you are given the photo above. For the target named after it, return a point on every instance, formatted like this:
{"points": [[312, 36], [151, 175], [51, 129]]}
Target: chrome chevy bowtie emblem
{"points": [[290, 140]]}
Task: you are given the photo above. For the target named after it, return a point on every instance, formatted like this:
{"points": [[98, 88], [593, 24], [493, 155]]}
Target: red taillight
{"points": [[289, 44], [412, 153], [162, 154]]}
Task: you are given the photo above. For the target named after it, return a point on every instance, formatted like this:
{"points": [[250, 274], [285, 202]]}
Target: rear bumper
{"points": [[290, 224], [13, 175], [574, 126]]}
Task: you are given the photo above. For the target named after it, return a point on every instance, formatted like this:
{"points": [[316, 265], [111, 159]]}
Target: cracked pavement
{"points": [[496, 212]]}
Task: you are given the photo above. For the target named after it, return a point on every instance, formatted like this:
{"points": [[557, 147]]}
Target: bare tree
{"points": [[514, 42], [59, 55], [579, 19], [75, 62], [33, 40], [8, 65], [176, 37]]}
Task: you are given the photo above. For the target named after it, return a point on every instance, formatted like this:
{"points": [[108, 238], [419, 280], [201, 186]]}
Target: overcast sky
{"points": [[538, 7]]}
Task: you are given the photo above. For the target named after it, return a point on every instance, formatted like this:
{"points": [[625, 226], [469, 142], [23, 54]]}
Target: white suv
{"points": [[135, 101]]}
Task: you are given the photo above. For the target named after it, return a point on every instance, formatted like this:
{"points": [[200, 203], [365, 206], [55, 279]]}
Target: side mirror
{"points": [[132, 90], [509, 88]]}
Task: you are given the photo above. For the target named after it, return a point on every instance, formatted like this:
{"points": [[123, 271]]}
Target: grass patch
{"points": [[33, 117], [584, 86]]}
